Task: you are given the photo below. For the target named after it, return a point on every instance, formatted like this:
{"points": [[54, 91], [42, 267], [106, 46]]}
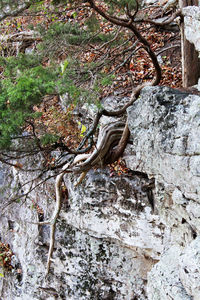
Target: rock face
{"points": [[101, 251], [128, 237], [191, 25], [165, 126]]}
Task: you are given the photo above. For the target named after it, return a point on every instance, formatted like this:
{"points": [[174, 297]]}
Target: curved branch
{"points": [[112, 19], [129, 24], [109, 135], [58, 182], [176, 14], [115, 154], [53, 220], [136, 91]]}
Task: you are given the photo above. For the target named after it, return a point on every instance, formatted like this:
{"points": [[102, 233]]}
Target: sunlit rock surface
{"points": [[128, 237], [165, 127], [191, 25], [101, 251]]}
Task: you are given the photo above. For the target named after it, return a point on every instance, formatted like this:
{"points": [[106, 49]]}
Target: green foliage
{"points": [[13, 65], [48, 139], [62, 34], [64, 66], [120, 4], [26, 79], [68, 35], [93, 23], [130, 3], [25, 84], [20, 90], [56, 2], [107, 80]]}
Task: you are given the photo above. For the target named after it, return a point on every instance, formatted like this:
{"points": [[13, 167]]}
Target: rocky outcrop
{"points": [[101, 251], [191, 25], [165, 127], [133, 236]]}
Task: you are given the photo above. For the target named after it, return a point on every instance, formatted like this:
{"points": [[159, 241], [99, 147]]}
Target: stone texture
{"points": [[101, 251], [128, 237], [176, 276], [165, 128], [189, 268], [118, 208], [166, 138], [192, 24], [164, 279]]}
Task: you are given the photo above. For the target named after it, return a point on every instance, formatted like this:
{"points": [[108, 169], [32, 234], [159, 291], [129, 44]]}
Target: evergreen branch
{"points": [[128, 12]]}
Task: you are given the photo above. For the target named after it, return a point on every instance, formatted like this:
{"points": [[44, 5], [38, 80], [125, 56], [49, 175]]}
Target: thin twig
{"points": [[167, 48]]}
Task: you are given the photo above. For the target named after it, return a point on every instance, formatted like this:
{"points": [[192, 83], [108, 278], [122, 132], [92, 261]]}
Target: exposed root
{"points": [[81, 178], [82, 163], [114, 132], [52, 221], [58, 183], [111, 133]]}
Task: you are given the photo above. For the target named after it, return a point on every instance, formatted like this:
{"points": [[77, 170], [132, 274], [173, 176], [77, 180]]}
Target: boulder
{"points": [[165, 129]]}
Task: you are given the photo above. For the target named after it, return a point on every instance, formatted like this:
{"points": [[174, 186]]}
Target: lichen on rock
{"points": [[134, 236]]}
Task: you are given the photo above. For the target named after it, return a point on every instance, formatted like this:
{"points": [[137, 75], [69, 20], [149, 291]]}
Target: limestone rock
{"points": [[101, 251], [165, 129], [176, 276], [191, 25], [117, 208], [164, 280], [189, 265], [134, 236]]}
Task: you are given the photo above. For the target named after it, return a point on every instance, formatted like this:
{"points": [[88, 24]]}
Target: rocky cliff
{"points": [[128, 237], [166, 145]]}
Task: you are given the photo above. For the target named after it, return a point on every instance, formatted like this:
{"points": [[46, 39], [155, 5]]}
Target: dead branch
{"points": [[20, 36], [53, 220], [167, 48], [169, 20]]}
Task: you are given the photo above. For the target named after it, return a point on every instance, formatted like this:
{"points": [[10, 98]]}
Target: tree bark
{"points": [[190, 59]]}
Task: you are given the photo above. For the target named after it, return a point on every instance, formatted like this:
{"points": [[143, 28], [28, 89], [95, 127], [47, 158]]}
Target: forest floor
{"points": [[165, 41]]}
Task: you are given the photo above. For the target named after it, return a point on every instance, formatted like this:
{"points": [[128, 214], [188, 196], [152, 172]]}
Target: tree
{"points": [[80, 58]]}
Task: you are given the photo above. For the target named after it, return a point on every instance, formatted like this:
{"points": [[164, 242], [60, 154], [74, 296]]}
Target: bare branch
{"points": [[176, 14], [21, 36], [167, 48], [112, 19]]}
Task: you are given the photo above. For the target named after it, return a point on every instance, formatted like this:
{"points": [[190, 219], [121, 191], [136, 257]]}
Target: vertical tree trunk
{"points": [[190, 59]]}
